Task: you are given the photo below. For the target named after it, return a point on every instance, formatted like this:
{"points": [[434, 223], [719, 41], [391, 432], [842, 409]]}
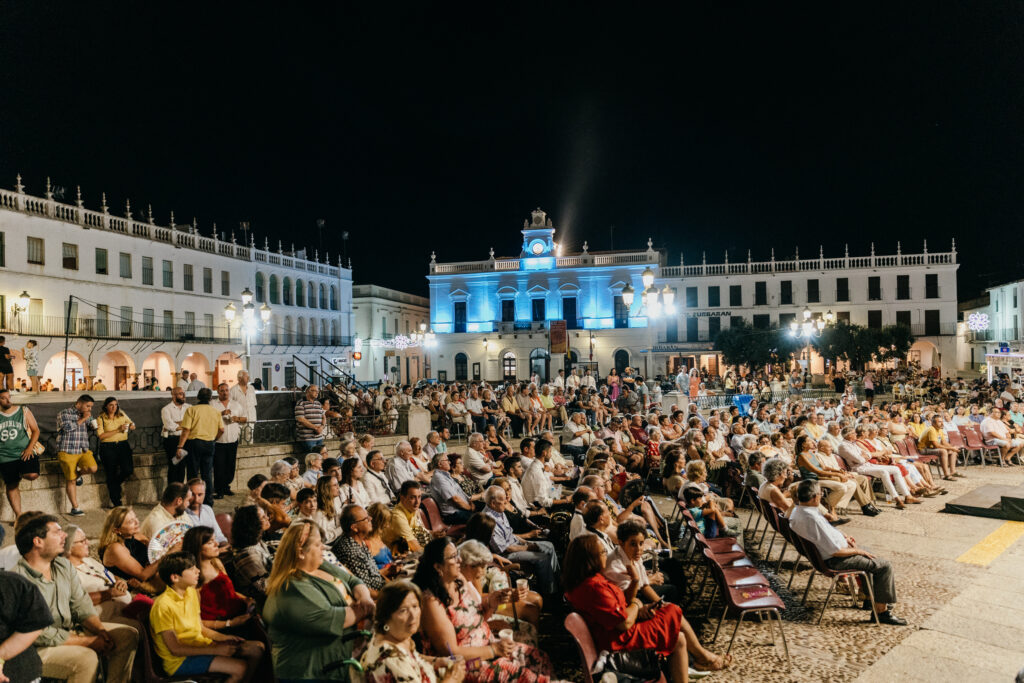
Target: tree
{"points": [[858, 345], [741, 344]]}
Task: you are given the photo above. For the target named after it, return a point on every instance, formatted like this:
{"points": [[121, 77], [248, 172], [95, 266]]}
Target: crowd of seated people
{"points": [[441, 549]]}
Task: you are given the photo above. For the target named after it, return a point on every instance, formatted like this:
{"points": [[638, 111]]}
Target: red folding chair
{"points": [[428, 506], [745, 600], [957, 439], [819, 567], [975, 441], [912, 451], [577, 627]]}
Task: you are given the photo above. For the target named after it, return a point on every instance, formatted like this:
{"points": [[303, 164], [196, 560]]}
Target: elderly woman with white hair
{"points": [[479, 569]]}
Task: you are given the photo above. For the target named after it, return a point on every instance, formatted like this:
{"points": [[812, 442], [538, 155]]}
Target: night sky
{"points": [[416, 129]]}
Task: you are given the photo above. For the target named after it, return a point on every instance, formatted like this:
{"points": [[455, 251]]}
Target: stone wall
{"points": [[47, 492]]}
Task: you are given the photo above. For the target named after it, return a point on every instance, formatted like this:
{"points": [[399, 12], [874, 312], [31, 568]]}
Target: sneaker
{"points": [[80, 481], [697, 674], [75, 512]]}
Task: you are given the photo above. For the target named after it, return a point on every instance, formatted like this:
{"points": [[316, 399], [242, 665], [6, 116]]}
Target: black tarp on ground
{"points": [[994, 501]]}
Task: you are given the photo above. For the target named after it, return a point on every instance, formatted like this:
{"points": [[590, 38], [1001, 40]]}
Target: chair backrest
{"points": [[956, 439], [224, 522], [911, 444], [771, 513], [901, 446], [577, 627], [434, 521], [973, 437], [809, 551], [784, 529], [147, 661]]}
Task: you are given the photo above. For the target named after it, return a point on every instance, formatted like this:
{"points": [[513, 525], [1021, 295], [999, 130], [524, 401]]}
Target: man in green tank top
{"points": [[19, 434]]}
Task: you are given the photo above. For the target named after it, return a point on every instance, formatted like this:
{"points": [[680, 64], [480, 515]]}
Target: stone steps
{"points": [[47, 492]]}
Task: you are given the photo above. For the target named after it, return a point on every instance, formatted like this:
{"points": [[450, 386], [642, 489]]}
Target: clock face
{"points": [[538, 248]]}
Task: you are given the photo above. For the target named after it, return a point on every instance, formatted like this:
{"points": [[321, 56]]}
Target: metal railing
{"points": [[716, 401]]}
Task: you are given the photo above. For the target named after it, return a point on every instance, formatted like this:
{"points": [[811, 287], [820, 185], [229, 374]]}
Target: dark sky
{"points": [[416, 129]]}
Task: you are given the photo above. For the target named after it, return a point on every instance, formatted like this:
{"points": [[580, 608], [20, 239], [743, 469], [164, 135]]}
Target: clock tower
{"points": [[538, 234]]}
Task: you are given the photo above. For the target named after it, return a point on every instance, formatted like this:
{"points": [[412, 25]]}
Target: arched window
{"points": [[261, 290], [324, 339], [287, 291], [312, 332], [508, 366], [621, 360], [323, 296], [334, 298], [300, 332], [275, 293], [289, 339], [311, 299], [461, 367], [335, 339], [300, 293]]}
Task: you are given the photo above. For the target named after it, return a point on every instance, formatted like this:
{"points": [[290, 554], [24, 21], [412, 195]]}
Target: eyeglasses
{"points": [[359, 521]]}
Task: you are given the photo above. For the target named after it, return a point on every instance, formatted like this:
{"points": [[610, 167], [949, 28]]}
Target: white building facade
{"points": [[494, 318], [388, 325], [993, 327], [141, 300]]}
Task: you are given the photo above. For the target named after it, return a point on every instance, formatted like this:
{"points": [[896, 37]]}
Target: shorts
{"points": [[1002, 443], [869, 393], [196, 664], [69, 462], [32, 372], [12, 472]]}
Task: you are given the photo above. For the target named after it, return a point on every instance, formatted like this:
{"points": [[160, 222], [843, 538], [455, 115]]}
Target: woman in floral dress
{"points": [[391, 656], [455, 622]]}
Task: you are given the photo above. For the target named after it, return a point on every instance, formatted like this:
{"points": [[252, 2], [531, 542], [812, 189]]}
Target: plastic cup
{"points": [[506, 634], [523, 584]]}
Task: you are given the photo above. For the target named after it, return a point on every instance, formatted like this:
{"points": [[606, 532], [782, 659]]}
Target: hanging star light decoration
{"points": [[977, 322]]}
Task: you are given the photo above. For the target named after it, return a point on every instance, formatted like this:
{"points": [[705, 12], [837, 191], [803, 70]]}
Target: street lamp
{"points": [[809, 329], [19, 306], [250, 324], [627, 295], [647, 277], [668, 297]]}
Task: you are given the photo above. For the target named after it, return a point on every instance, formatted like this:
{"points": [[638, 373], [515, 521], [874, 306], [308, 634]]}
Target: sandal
{"points": [[721, 662]]}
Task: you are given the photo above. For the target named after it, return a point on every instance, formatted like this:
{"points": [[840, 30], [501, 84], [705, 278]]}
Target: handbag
{"points": [[630, 665]]}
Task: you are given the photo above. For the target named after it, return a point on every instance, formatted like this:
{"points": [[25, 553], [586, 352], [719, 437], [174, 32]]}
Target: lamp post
{"points": [[810, 328], [250, 325], [19, 306]]}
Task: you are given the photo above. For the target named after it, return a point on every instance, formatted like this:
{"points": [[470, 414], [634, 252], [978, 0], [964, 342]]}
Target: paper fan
{"points": [[167, 538]]}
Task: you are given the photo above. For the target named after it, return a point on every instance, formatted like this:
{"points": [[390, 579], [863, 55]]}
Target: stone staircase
{"points": [[47, 492]]}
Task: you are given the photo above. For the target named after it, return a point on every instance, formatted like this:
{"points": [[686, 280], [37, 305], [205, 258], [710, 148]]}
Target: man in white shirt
{"points": [[232, 414], [202, 515], [576, 435], [560, 380], [402, 468], [588, 381], [840, 552], [996, 433], [194, 383], [175, 500], [245, 395], [475, 407], [183, 380], [171, 416], [477, 463], [573, 380], [536, 481]]}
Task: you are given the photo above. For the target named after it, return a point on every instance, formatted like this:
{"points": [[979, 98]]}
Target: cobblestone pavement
{"points": [[966, 620]]}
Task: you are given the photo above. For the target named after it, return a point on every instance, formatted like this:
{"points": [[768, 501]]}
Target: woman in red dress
{"points": [[617, 620]]}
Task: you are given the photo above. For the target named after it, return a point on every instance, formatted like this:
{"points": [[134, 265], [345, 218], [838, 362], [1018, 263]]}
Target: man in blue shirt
{"points": [[539, 554], [451, 499]]}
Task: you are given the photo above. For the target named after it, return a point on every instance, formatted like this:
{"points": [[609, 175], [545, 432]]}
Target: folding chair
{"points": [[819, 567], [758, 599], [932, 460], [577, 627]]}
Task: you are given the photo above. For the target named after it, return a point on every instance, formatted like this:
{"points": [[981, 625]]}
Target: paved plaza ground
{"points": [[960, 582]]}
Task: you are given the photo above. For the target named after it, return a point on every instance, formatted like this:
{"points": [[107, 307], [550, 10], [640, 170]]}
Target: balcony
{"points": [[1006, 334], [940, 330]]}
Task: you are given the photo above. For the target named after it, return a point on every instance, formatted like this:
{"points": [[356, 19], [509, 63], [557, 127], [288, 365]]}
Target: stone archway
{"points": [[53, 370], [116, 370], [199, 364], [161, 366], [925, 353], [228, 365]]}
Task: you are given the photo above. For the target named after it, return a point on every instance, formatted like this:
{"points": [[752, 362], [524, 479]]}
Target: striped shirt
{"points": [[313, 411]]}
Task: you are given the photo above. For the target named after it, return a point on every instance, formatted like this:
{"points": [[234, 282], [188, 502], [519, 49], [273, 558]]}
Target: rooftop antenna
{"points": [[244, 225], [344, 245], [320, 233]]}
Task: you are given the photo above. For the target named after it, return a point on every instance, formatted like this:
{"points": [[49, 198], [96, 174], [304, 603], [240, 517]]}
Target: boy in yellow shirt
{"points": [[187, 647]]}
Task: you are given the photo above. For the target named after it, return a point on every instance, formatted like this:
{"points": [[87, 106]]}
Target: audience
{"points": [[109, 595], [455, 621]]}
